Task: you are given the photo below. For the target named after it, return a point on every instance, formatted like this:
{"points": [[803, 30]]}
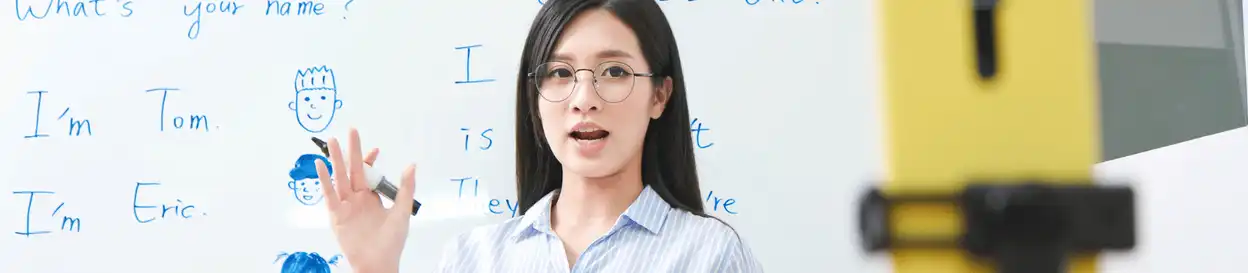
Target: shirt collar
{"points": [[648, 211]]}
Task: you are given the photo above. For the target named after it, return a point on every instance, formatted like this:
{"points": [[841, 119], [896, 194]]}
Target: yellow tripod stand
{"points": [[992, 135]]}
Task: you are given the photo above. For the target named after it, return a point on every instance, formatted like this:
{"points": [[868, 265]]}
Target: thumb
{"points": [[407, 193]]}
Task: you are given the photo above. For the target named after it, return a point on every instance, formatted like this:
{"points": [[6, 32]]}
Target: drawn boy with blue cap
{"points": [[304, 181]]}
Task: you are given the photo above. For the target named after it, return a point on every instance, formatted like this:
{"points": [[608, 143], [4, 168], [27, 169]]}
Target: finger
{"points": [[341, 182], [331, 196], [407, 193], [359, 180], [371, 157]]}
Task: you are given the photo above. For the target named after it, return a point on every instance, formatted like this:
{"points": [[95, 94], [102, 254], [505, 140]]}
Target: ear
{"points": [[291, 185], [291, 105], [337, 104], [661, 96]]}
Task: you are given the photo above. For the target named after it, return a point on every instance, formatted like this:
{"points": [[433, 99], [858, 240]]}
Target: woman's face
{"points": [[595, 131]]}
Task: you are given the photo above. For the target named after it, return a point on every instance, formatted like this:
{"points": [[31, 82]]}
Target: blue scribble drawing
{"points": [[304, 181], [306, 262], [316, 98]]}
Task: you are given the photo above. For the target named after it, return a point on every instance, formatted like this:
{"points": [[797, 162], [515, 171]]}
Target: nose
{"points": [[585, 95], [312, 105]]}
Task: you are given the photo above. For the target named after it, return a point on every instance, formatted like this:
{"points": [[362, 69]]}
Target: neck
{"points": [[584, 200]]}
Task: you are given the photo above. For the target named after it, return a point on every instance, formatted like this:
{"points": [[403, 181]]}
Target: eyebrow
{"points": [[605, 54]]}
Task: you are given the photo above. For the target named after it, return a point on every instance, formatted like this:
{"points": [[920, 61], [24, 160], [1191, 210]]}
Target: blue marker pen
{"points": [[376, 181]]}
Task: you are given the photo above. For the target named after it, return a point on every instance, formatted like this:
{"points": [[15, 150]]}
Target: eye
{"points": [[318, 182], [559, 73], [615, 72], [301, 184], [307, 99], [322, 97]]}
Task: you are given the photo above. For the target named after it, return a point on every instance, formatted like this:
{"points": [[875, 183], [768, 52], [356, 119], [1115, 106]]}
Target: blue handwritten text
{"points": [[176, 209], [38, 110], [696, 128], [476, 184], [182, 122], [68, 223], [211, 7], [79, 8], [468, 66], [76, 125], [718, 203], [489, 142], [284, 8], [500, 206]]}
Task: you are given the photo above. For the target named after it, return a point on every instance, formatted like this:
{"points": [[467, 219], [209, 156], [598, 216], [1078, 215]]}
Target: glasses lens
{"points": [[615, 81], [554, 80]]}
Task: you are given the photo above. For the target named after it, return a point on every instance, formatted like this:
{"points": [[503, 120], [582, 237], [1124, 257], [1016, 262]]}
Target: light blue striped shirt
{"points": [[651, 236]]}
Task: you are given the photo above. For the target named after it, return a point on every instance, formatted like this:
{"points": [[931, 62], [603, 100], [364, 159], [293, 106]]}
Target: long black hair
{"points": [[667, 162]]}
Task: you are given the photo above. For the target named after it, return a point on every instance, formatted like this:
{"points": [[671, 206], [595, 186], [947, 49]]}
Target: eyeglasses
{"points": [[613, 81]]}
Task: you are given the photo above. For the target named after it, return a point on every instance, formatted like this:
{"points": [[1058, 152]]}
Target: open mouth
{"points": [[589, 134], [307, 197], [314, 118]]}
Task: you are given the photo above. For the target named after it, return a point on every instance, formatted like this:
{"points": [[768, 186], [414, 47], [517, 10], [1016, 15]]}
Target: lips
{"points": [[590, 139], [588, 131]]}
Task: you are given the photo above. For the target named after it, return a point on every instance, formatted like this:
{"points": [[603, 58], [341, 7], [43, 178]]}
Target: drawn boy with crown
{"points": [[316, 98]]}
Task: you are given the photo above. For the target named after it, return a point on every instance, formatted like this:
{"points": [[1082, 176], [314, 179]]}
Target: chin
{"points": [[589, 168], [592, 172]]}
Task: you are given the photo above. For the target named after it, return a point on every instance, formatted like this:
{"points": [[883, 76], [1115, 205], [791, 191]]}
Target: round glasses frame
{"points": [[534, 77]]}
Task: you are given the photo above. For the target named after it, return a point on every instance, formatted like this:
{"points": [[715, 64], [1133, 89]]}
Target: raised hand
{"points": [[371, 236]]}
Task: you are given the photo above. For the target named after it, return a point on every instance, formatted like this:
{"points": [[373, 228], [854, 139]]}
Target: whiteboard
{"points": [[1189, 197], [167, 135]]}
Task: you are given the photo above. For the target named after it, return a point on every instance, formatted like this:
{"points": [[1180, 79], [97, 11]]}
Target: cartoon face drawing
{"points": [[306, 262], [316, 98], [304, 181]]}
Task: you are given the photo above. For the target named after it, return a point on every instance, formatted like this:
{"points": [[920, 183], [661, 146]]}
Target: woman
{"points": [[605, 169]]}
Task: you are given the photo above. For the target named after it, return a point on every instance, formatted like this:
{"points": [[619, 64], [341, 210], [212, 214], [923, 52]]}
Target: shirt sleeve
{"points": [[738, 258], [452, 257]]}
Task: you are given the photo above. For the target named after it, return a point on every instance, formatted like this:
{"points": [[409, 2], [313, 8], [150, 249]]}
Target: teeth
{"points": [[586, 130]]}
